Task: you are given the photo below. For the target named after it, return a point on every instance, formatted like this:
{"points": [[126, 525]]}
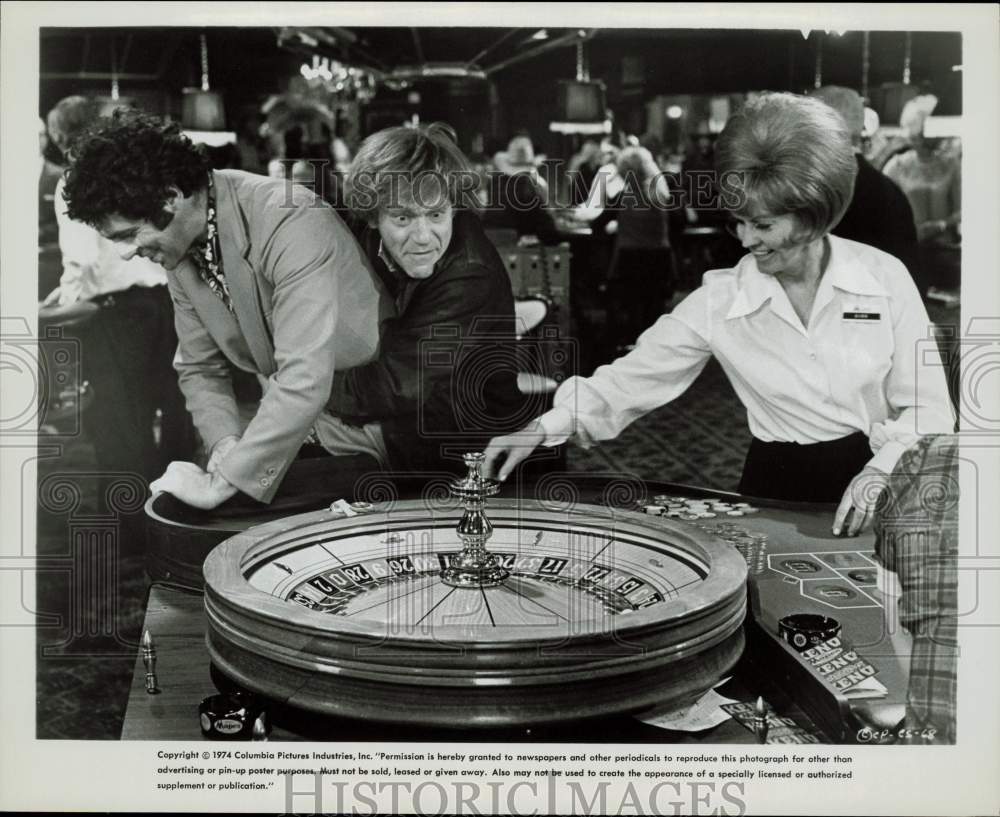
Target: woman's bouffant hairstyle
{"points": [[787, 154], [403, 163], [127, 164]]}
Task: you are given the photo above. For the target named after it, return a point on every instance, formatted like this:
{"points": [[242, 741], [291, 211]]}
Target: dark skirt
{"points": [[815, 472]]}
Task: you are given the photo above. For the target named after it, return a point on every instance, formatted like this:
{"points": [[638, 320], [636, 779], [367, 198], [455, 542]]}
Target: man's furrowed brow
{"points": [[414, 210], [119, 235], [401, 210]]}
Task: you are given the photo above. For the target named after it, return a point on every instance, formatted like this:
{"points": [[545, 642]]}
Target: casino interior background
{"points": [[265, 99]]}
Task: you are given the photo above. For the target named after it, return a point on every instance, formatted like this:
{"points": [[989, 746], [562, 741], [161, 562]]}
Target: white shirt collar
{"points": [[844, 272]]}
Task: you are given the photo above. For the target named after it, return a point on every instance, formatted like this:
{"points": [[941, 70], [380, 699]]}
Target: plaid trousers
{"points": [[916, 530]]}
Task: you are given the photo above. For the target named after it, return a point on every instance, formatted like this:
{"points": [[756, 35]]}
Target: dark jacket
{"points": [[880, 215], [643, 218], [445, 380], [515, 203]]}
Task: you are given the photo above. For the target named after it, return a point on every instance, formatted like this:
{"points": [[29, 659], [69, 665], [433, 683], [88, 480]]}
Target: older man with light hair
{"points": [[879, 213]]}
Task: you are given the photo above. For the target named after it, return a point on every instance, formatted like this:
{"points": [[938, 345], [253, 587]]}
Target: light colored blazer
{"points": [[306, 302]]}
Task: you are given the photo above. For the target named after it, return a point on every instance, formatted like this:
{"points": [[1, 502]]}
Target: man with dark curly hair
{"points": [[264, 277], [129, 342]]}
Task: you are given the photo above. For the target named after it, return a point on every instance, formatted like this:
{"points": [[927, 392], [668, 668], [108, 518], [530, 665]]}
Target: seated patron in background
{"points": [[606, 186], [930, 178], [581, 170], [129, 343], [49, 174], [264, 277], [444, 381], [641, 278], [700, 184], [517, 196], [823, 339], [879, 214]]}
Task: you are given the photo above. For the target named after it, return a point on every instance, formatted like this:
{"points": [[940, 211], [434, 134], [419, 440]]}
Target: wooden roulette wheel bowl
{"points": [[603, 611], [179, 537]]}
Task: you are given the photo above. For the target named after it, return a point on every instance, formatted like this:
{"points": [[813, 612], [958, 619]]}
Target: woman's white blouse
{"points": [[867, 362]]}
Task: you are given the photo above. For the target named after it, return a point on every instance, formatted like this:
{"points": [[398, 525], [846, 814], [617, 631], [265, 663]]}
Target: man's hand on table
{"points": [[194, 487]]}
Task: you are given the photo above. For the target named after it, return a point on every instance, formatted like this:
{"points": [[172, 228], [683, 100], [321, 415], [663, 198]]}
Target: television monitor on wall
{"points": [[581, 101]]}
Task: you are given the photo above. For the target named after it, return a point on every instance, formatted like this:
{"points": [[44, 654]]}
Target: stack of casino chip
{"points": [[693, 509], [734, 534], [751, 544]]}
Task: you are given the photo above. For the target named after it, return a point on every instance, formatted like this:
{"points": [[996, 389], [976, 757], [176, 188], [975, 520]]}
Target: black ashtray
{"points": [[228, 716], [805, 630]]}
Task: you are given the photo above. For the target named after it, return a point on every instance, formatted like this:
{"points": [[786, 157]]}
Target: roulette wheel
{"points": [[472, 611]]}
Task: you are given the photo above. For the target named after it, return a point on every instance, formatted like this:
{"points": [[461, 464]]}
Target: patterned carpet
{"points": [[91, 596], [699, 439]]}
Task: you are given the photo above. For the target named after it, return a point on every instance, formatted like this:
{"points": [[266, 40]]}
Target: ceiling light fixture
{"points": [[114, 72], [202, 114]]}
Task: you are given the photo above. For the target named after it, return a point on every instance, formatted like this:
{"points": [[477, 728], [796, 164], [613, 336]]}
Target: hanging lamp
{"points": [[203, 115]]}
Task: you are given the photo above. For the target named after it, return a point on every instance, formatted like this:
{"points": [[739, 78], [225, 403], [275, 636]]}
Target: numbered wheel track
{"points": [[605, 611]]}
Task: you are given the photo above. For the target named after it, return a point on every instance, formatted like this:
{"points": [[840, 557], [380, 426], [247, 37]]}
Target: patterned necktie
{"points": [[207, 256]]}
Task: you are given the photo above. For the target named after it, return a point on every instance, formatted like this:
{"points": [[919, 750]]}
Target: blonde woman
{"points": [[823, 339]]}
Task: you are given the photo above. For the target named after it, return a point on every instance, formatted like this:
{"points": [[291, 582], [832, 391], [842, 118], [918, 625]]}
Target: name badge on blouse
{"points": [[862, 317]]}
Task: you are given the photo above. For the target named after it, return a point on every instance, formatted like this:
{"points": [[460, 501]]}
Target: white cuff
{"points": [[558, 425], [887, 456]]}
